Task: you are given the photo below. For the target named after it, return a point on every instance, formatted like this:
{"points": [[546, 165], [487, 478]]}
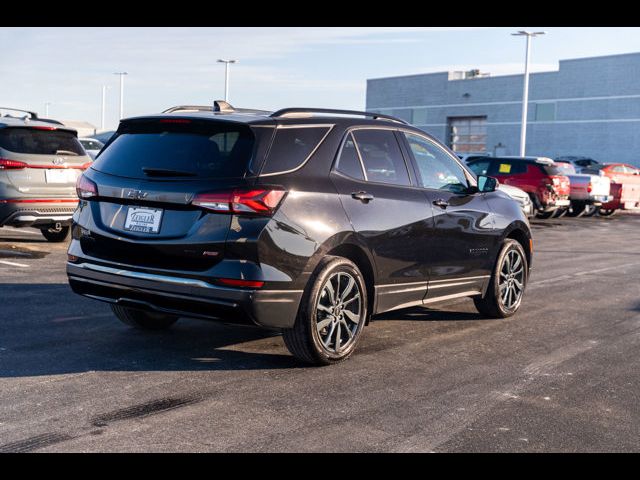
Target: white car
{"points": [[519, 196], [92, 146]]}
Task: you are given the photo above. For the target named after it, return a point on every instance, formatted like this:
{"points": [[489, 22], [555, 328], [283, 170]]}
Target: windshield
{"points": [[40, 142], [198, 149]]}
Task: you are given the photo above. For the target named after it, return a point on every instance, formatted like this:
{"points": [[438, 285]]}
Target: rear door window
{"points": [[480, 167], [349, 161], [40, 142], [381, 156], [292, 147], [190, 149]]}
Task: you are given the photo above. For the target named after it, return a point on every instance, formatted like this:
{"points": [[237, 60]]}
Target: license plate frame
{"points": [[143, 220]]}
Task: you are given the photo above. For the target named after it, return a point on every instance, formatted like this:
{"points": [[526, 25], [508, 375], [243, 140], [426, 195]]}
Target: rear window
{"points": [[565, 168], [190, 149], [291, 147], [553, 170], [40, 142]]}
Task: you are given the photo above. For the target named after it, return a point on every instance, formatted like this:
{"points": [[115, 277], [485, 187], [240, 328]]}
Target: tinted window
{"points": [[566, 168], [552, 170], [586, 162], [349, 162], [436, 168], [201, 150], [480, 167], [503, 166], [382, 158], [291, 147], [40, 142]]}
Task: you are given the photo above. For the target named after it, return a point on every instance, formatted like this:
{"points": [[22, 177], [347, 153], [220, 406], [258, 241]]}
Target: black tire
{"points": [[560, 212], [56, 236], [577, 209], [545, 214], [590, 210], [304, 340], [492, 304], [603, 212], [143, 320]]}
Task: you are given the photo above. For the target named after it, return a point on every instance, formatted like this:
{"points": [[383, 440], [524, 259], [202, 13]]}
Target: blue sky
{"points": [[278, 67]]}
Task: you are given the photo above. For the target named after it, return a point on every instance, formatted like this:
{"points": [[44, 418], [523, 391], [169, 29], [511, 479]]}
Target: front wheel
{"points": [[506, 288], [55, 235], [332, 314]]}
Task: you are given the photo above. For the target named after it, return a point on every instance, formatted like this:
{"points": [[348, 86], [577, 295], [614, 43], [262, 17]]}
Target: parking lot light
{"points": [[122, 74], [226, 77], [525, 93]]}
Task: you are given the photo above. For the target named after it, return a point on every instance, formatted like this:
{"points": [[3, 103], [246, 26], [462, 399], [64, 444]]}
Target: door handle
{"points": [[362, 196], [441, 203]]}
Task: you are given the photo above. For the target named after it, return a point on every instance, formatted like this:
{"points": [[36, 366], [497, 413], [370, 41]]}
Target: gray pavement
{"points": [[563, 375]]}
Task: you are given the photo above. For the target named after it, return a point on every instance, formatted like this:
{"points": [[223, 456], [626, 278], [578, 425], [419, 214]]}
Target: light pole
{"points": [[122, 74], [46, 109], [104, 106], [226, 77], [525, 93]]}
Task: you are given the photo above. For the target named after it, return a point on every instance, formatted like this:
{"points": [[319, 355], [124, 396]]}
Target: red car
{"points": [[625, 187], [538, 176]]}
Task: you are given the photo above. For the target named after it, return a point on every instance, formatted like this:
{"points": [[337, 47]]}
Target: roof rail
{"points": [[218, 106], [286, 111], [33, 115]]}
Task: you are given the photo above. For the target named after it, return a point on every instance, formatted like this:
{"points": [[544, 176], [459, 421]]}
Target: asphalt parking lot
{"points": [[563, 375]]}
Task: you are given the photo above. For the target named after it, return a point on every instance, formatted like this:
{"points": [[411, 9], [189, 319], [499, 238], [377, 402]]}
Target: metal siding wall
{"points": [[614, 75]]}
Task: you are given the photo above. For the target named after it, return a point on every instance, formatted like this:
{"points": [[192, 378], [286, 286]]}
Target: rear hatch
{"points": [[560, 184], [41, 161], [149, 179]]}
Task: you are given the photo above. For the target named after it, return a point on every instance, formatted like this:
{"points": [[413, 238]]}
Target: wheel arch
{"points": [[522, 234]]}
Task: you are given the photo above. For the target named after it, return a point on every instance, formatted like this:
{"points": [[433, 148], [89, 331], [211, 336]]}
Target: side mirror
{"points": [[487, 184]]}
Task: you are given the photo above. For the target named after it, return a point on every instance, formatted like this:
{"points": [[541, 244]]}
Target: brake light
{"points": [[252, 202], [85, 188], [6, 164], [174, 120], [233, 282], [44, 128], [84, 166], [589, 188]]}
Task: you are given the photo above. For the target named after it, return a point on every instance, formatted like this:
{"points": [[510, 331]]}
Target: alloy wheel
{"points": [[338, 312], [511, 286]]}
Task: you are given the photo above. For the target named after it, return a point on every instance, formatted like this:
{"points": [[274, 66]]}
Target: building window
{"points": [[468, 134], [545, 112]]}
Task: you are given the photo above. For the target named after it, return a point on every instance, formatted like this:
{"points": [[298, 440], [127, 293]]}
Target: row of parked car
{"points": [[569, 185]]}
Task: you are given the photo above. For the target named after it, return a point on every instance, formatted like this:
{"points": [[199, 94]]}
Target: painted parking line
{"points": [[14, 264]]}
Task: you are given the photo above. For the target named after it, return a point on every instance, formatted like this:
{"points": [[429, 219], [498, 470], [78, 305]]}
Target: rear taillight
{"points": [[259, 201], [589, 188], [233, 282], [84, 166], [6, 164], [85, 188]]}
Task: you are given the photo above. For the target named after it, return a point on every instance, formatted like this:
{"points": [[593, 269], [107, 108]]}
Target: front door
{"points": [[463, 246]]}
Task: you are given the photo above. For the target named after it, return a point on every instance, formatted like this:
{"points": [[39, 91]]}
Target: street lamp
{"points": [[525, 93], [226, 76], [46, 109], [122, 74], [102, 111]]}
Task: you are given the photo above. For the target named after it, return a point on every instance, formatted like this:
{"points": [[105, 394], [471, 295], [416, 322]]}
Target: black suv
{"points": [[308, 221]]}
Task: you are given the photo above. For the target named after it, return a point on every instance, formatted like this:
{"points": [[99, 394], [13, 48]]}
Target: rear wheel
{"points": [[590, 210], [332, 314], [545, 214], [56, 235], [143, 320], [577, 209], [509, 279], [606, 212]]}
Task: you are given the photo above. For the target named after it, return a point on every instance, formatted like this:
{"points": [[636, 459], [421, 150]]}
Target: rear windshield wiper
{"points": [[165, 172]]}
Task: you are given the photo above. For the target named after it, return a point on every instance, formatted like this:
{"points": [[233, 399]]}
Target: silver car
{"points": [[40, 161], [519, 196]]}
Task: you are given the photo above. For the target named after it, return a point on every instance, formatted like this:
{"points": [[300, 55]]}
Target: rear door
{"points": [[47, 160], [462, 248], [387, 212]]}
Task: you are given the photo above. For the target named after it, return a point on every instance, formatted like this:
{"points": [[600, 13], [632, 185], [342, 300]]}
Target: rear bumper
{"points": [[184, 296], [36, 212]]}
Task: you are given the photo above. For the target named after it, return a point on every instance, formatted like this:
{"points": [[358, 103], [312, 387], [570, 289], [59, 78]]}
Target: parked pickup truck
{"points": [[625, 187], [538, 176], [588, 190]]}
